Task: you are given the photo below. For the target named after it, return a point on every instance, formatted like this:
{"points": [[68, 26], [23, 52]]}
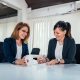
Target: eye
{"points": [[56, 33], [24, 31]]}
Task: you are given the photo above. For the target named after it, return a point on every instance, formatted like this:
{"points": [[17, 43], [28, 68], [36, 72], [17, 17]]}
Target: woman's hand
{"points": [[41, 59], [53, 62], [21, 62], [61, 61]]}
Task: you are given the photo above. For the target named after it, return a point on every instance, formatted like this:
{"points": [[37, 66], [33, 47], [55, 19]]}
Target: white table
{"points": [[39, 72]]}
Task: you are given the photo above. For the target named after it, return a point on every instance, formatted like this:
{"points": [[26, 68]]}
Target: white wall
{"points": [[6, 27]]}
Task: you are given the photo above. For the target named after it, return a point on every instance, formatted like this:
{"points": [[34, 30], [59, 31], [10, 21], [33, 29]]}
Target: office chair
{"points": [[1, 52], [35, 51], [77, 56]]}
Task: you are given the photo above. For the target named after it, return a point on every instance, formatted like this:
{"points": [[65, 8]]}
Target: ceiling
{"points": [[34, 4], [6, 11]]}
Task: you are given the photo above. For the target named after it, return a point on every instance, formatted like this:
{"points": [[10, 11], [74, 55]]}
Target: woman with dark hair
{"points": [[14, 47], [62, 48]]}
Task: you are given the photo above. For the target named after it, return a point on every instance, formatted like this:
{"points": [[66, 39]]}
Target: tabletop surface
{"points": [[39, 72]]}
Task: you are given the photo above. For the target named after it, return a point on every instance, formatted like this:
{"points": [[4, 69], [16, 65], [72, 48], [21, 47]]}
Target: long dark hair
{"points": [[68, 29]]}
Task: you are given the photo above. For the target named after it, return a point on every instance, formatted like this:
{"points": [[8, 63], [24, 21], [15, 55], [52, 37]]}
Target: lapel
{"points": [[64, 48], [14, 47], [55, 42], [22, 50]]}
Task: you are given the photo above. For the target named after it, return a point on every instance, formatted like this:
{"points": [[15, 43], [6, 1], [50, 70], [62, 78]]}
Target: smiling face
{"points": [[23, 32], [59, 34]]}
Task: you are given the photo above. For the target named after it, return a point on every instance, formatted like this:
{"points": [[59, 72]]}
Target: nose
{"points": [[25, 33]]}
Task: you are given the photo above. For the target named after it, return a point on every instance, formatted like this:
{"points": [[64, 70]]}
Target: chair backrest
{"points": [[35, 51], [77, 56], [1, 52]]}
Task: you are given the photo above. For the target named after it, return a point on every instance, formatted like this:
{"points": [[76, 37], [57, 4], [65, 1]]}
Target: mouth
{"points": [[57, 38], [23, 37]]}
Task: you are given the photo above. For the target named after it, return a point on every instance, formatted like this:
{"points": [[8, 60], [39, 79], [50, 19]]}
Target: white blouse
{"points": [[19, 52], [58, 51]]}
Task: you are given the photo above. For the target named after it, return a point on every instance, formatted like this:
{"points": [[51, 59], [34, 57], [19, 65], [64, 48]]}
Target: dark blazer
{"points": [[68, 52], [10, 50]]}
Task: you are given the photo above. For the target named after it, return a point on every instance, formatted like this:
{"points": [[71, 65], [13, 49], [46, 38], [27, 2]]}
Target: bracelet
{"points": [[58, 61], [47, 59]]}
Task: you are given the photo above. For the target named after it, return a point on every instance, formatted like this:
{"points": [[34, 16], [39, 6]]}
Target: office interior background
{"points": [[41, 21]]}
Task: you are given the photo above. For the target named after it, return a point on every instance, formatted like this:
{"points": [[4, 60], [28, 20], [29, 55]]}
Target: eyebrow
{"points": [[25, 31]]}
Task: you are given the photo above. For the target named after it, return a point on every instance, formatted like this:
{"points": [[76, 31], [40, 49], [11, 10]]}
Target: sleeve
{"points": [[25, 50], [7, 51], [50, 54], [71, 52]]}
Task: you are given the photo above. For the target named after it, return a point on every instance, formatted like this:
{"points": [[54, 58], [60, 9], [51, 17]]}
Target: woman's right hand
{"points": [[21, 62], [41, 59], [53, 62]]}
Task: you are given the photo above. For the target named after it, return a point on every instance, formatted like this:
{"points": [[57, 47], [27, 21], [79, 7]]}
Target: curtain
{"points": [[40, 34]]}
